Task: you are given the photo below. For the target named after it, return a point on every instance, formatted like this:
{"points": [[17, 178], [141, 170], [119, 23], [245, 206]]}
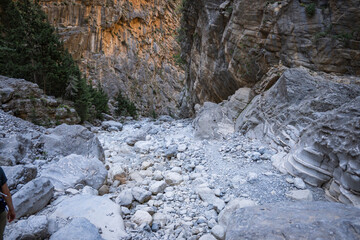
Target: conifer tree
{"points": [[31, 49]]}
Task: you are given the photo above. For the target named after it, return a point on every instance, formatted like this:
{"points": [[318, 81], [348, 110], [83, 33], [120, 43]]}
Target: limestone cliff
{"points": [[126, 46], [233, 43]]}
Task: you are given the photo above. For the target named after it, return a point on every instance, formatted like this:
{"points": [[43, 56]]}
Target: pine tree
{"points": [[31, 49]]}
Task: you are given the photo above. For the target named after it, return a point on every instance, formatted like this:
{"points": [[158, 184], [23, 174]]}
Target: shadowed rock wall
{"points": [[233, 43]]}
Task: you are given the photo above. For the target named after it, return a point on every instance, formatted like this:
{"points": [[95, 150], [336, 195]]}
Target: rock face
{"points": [[317, 220], [234, 43], [316, 120], [27, 101], [126, 46]]}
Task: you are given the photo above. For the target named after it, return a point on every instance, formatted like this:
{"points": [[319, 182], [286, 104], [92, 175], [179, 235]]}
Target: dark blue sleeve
{"points": [[3, 178]]}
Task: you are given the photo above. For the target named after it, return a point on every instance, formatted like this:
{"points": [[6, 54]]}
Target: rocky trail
{"points": [[182, 183]]}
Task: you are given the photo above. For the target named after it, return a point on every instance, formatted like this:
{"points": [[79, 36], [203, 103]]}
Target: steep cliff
{"points": [[233, 43], [126, 46]]}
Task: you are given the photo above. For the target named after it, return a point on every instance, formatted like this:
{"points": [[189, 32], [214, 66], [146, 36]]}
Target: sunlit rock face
{"points": [[232, 44], [126, 46]]}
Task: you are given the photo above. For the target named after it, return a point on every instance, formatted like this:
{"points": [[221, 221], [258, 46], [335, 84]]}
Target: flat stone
{"points": [[232, 206], [305, 220], [300, 195]]}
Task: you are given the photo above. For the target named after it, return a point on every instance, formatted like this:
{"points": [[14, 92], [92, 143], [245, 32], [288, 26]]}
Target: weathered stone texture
{"points": [[126, 46], [232, 44], [315, 119]]}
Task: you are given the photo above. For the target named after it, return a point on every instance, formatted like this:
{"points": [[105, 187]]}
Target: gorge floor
{"points": [[229, 168]]}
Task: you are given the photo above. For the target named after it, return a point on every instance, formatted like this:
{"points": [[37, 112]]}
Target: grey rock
{"points": [[219, 232], [33, 197], [143, 146], [300, 195], [99, 210], [112, 125], [173, 178], [232, 206], [65, 140], [160, 218], [19, 174], [104, 189], [141, 217], [75, 169], [21, 98], [306, 220], [35, 227], [310, 120], [158, 187], [211, 122], [125, 198], [14, 149], [207, 236], [171, 151], [207, 195], [77, 229], [141, 195], [299, 183]]}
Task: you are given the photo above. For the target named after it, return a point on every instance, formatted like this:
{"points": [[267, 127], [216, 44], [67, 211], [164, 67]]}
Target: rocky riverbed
{"points": [[172, 185]]}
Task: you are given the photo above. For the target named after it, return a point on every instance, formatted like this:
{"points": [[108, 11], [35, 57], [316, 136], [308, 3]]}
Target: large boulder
{"points": [[212, 122], [77, 229], [100, 211], [65, 140], [75, 169], [33, 196], [306, 220], [19, 174], [232, 206], [35, 227], [27, 101], [315, 119]]}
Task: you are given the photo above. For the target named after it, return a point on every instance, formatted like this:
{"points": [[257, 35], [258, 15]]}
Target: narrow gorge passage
{"points": [[199, 177]]}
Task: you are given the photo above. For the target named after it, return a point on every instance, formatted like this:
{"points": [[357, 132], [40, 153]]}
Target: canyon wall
{"points": [[126, 46], [233, 43]]}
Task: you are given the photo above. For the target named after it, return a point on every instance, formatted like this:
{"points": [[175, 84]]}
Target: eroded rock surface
{"points": [[316, 220], [315, 118], [232, 44], [26, 100]]}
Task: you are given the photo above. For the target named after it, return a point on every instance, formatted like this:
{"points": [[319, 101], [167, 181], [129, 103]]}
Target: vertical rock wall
{"points": [[126, 46], [233, 43]]}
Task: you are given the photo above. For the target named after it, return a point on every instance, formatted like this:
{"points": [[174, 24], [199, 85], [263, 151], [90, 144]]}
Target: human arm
{"points": [[11, 214]]}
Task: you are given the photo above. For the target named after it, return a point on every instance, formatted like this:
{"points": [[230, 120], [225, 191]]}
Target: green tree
{"points": [[125, 106], [31, 49]]}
